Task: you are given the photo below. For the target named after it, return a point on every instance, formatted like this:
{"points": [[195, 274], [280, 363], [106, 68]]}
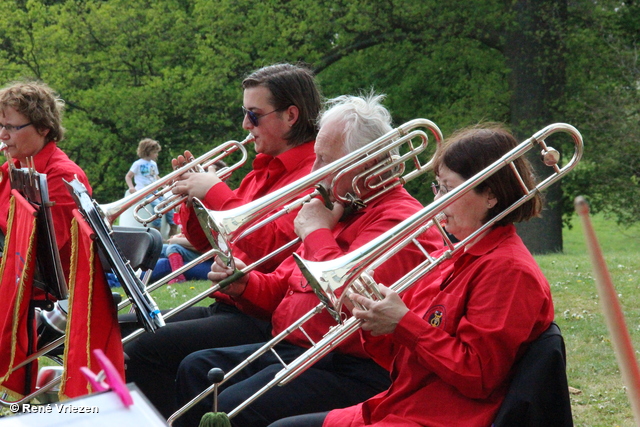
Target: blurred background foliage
{"points": [[172, 70]]}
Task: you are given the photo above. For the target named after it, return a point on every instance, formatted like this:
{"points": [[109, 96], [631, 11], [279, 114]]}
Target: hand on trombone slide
{"points": [[220, 271], [379, 317], [193, 184]]}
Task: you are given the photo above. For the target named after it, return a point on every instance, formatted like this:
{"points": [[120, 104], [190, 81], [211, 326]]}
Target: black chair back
{"points": [[539, 392]]}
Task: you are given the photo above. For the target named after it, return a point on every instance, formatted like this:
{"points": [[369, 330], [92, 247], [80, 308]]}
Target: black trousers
{"points": [[336, 381], [153, 358]]}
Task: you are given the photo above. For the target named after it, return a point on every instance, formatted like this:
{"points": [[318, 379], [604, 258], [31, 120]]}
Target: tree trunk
{"points": [[534, 54]]}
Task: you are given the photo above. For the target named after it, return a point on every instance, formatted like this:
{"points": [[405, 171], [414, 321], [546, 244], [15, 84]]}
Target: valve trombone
{"points": [[224, 228], [349, 273]]}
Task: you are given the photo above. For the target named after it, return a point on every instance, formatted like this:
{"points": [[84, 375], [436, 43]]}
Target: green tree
{"points": [[171, 70]]}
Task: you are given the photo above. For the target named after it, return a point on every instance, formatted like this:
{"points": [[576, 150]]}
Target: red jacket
{"points": [[269, 173], [54, 162], [451, 356], [286, 295]]}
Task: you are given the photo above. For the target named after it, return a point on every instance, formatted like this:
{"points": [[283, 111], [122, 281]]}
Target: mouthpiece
{"points": [[3, 146], [441, 218]]}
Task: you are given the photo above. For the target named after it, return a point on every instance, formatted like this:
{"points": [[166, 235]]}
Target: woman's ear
{"points": [[491, 199]]}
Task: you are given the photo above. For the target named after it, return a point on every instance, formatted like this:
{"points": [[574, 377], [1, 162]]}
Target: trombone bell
{"points": [[215, 232]]}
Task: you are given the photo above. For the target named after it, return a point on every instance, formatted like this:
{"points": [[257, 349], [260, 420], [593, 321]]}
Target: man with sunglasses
{"points": [[281, 103]]}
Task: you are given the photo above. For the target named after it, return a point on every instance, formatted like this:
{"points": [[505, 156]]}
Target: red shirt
{"points": [[269, 173], [54, 162], [286, 295], [451, 356]]}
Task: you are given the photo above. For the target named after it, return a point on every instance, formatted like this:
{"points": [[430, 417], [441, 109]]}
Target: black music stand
{"points": [[141, 249], [146, 309], [49, 274]]}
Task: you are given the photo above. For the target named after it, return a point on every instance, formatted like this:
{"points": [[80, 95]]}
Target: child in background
{"points": [[143, 172], [177, 252]]}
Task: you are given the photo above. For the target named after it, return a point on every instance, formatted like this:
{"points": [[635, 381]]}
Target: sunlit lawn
{"points": [[591, 364]]}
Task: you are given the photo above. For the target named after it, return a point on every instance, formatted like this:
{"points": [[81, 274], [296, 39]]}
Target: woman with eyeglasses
{"points": [[450, 341], [31, 127], [280, 104]]}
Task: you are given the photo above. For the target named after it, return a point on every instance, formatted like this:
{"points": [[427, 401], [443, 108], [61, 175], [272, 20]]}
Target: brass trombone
{"points": [[113, 210], [223, 228], [349, 272]]}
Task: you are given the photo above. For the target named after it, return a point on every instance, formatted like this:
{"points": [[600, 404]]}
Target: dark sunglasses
{"points": [[253, 117]]}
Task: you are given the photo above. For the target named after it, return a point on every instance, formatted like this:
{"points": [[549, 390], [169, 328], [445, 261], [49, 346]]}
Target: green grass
{"points": [[171, 296], [591, 363]]}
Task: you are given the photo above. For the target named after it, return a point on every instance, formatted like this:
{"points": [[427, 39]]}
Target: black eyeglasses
{"points": [[253, 117], [13, 129]]}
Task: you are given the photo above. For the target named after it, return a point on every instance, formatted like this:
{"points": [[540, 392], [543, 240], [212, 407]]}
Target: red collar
{"points": [[290, 159]]}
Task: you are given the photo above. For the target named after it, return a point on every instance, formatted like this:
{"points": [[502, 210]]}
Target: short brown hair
{"points": [[291, 85], [470, 150], [147, 146], [39, 103]]}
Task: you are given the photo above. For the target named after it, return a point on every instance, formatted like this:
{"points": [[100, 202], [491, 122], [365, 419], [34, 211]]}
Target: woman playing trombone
{"points": [[452, 338]]}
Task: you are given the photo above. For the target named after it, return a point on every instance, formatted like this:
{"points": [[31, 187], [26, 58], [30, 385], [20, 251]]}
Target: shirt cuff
{"points": [[319, 239], [250, 292], [217, 195], [408, 330]]}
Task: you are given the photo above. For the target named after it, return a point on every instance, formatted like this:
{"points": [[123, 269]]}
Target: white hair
{"points": [[364, 118]]}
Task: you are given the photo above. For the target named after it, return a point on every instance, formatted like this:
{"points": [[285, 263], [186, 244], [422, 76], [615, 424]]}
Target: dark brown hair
{"points": [[291, 85], [39, 103], [470, 150]]}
